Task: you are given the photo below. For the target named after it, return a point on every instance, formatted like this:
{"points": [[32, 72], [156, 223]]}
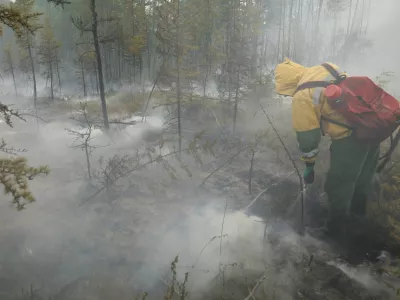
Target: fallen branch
{"points": [[148, 99], [138, 167], [262, 192], [220, 243], [216, 119], [205, 246], [224, 164], [34, 116], [112, 122], [254, 290]]}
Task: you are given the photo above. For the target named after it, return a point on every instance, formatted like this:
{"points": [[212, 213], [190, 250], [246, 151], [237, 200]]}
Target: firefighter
{"points": [[352, 164]]}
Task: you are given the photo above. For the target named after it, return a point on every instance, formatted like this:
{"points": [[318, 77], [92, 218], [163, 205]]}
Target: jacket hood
{"points": [[287, 77]]}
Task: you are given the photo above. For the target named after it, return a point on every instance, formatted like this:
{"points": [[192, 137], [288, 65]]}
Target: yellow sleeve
{"points": [[306, 124]]}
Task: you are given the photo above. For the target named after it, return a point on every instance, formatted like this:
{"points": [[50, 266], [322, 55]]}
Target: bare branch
{"points": [[301, 181], [224, 164], [254, 290], [7, 113]]}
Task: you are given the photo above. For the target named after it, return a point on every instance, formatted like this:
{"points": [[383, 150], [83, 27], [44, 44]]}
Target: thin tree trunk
{"points": [[278, 57], [251, 171], [236, 98], [33, 72], [316, 31], [368, 17], [298, 27], [208, 49], [283, 29], [178, 83], [149, 56], [362, 17], [58, 73], [12, 73], [51, 81], [349, 20], [83, 79], [96, 75], [141, 69], [290, 26], [88, 158], [354, 16], [99, 64]]}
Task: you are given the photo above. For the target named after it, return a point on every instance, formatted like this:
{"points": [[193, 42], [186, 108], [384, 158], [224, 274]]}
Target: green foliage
{"points": [[48, 49], [7, 113], [15, 172], [18, 19], [14, 175]]}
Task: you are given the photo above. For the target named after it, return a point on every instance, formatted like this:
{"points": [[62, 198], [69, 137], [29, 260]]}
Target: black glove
{"points": [[308, 175]]}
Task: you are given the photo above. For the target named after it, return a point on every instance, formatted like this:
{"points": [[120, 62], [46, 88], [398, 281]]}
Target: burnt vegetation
{"points": [[168, 100]]}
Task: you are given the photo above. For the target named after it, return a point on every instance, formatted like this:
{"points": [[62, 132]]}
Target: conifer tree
{"points": [[10, 65], [48, 55], [26, 38], [15, 172]]}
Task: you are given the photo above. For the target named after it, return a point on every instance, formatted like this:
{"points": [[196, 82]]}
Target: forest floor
{"points": [[121, 243]]}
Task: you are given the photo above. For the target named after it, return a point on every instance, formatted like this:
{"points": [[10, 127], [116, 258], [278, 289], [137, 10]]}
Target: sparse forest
{"points": [[154, 129]]}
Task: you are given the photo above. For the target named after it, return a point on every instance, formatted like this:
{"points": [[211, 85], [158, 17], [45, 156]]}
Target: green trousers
{"points": [[349, 179]]}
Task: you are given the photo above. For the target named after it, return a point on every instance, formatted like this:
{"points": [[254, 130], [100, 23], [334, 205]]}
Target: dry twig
{"points": [[254, 290], [301, 181]]}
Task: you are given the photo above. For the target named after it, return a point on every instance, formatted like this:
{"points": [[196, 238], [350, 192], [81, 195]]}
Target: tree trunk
{"points": [[99, 64], [354, 16], [33, 72], [236, 98], [290, 26], [12, 73], [362, 17], [51, 81], [368, 17], [96, 75], [88, 158], [83, 80], [178, 83], [278, 54], [208, 48], [349, 19], [251, 171], [283, 30], [316, 32], [58, 73]]}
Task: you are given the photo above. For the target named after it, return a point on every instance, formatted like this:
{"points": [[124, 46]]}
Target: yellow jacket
{"points": [[309, 105]]}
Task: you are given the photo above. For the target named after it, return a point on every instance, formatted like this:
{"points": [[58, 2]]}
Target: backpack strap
{"points": [[332, 71], [338, 77], [323, 84], [337, 123], [311, 85], [315, 84]]}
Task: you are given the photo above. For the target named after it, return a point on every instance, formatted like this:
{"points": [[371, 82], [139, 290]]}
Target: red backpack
{"points": [[372, 114]]}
